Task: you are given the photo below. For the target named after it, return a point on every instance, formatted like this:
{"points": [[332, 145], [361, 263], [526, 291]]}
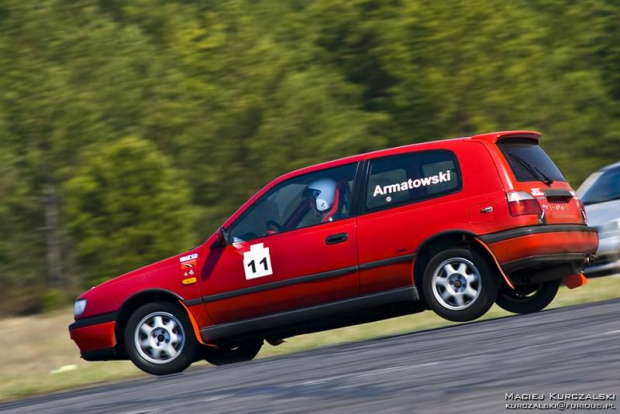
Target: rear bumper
{"points": [[96, 337], [544, 246]]}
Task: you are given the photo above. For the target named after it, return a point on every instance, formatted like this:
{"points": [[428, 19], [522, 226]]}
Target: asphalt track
{"points": [[467, 368]]}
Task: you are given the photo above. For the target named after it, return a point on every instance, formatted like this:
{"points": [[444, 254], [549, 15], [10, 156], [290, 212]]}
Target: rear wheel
{"points": [[459, 285], [232, 354], [527, 298], [159, 339]]}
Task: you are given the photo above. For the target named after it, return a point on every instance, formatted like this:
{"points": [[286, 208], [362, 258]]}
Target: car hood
{"points": [[600, 214], [163, 266]]}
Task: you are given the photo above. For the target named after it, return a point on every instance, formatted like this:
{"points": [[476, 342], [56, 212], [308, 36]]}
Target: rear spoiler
{"points": [[493, 137]]}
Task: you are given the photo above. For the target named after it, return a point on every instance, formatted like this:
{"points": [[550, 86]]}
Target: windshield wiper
{"points": [[539, 175], [546, 178]]}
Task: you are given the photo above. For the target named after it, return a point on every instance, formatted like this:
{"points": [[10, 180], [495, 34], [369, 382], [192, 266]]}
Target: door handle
{"points": [[336, 238]]}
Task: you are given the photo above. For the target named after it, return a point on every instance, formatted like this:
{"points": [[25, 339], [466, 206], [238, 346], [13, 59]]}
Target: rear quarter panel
{"points": [[401, 230]]}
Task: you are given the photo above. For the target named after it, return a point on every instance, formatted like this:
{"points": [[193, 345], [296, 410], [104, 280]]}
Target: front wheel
{"points": [[459, 285], [159, 339], [232, 354], [527, 299]]}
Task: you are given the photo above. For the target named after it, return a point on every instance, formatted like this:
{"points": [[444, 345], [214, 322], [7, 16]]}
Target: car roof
{"points": [[491, 137], [488, 138], [610, 166]]}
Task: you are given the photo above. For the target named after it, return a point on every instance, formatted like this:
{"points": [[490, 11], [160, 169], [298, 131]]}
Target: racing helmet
{"points": [[324, 193]]}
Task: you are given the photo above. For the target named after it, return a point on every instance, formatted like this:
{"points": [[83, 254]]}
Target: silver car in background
{"points": [[600, 193]]}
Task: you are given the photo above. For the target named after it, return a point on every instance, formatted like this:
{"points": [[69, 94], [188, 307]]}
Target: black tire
{"points": [[169, 347], [527, 299], [245, 351], [459, 285]]}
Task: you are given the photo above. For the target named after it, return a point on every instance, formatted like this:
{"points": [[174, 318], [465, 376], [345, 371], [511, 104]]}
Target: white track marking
{"points": [[216, 397]]}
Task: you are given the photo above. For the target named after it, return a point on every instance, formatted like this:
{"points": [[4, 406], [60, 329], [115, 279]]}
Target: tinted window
{"points": [[303, 201], [411, 177], [529, 162], [605, 188]]}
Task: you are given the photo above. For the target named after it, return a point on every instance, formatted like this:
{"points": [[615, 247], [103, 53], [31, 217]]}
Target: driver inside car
{"points": [[320, 202], [323, 198]]}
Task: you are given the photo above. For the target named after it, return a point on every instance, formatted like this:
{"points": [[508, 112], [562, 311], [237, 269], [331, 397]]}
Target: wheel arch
{"points": [[133, 303], [447, 239]]}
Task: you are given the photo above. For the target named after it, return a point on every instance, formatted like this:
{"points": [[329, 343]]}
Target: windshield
{"points": [[529, 162], [606, 187]]}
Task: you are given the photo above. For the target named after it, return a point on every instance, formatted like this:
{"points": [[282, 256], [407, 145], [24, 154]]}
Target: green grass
{"points": [[38, 346]]}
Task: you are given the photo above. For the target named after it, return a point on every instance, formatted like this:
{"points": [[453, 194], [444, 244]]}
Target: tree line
{"points": [[130, 129]]}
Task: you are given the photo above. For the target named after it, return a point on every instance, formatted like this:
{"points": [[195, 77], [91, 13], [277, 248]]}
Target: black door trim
{"points": [[193, 302], [386, 262], [279, 284], [405, 294], [302, 279]]}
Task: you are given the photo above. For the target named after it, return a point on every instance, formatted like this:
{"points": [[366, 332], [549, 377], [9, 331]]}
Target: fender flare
{"points": [[161, 292], [475, 238]]}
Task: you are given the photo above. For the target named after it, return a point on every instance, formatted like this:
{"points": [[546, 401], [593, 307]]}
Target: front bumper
{"points": [[543, 246], [96, 337]]}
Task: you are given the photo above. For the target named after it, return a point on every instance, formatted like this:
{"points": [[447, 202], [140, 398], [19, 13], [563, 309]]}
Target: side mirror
{"points": [[222, 238]]}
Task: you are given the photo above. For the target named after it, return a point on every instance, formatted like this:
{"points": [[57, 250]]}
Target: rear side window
{"points": [[529, 162], [411, 177]]}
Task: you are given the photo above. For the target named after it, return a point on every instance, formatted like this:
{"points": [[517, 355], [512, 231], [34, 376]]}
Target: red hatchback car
{"points": [[453, 225]]}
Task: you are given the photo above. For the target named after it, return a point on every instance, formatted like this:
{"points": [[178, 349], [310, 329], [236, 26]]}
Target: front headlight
{"points": [[79, 307]]}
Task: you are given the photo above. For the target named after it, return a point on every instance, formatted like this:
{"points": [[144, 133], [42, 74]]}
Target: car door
{"points": [[294, 247], [402, 196]]}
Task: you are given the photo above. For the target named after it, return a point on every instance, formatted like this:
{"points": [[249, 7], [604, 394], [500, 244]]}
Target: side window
{"points": [[303, 201], [411, 177]]}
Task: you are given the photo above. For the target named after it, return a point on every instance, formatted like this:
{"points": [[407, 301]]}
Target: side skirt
{"points": [[270, 322]]}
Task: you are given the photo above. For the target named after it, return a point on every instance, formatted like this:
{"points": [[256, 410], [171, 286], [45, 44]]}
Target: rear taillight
{"points": [[521, 203]]}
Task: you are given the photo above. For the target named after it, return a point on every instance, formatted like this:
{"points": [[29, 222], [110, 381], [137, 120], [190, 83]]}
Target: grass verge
{"points": [[41, 358]]}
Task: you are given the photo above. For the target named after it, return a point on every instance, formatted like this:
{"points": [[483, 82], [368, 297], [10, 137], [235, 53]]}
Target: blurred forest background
{"points": [[129, 129]]}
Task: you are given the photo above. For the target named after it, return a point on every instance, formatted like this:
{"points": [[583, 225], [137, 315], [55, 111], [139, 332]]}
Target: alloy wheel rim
{"points": [[159, 337], [456, 283]]}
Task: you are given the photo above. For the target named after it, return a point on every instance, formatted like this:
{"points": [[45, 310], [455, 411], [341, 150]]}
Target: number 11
{"points": [[263, 262]]}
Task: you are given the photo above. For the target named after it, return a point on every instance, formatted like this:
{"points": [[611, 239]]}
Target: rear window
{"points": [[411, 177], [529, 162]]}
